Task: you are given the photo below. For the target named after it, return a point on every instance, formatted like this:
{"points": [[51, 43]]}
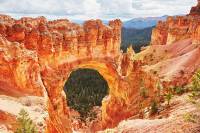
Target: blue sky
{"points": [[92, 9]]}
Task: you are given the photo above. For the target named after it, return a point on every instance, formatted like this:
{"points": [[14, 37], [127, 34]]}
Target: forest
{"points": [[85, 89]]}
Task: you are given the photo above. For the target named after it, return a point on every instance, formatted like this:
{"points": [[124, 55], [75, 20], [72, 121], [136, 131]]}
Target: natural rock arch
{"points": [[55, 91], [36, 59]]}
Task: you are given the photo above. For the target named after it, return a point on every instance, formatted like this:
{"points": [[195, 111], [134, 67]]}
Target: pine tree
{"points": [[168, 97], [159, 88], [154, 107], [196, 81], [85, 89], [26, 125], [143, 90]]}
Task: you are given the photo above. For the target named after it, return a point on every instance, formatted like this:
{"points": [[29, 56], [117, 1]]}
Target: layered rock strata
{"points": [[37, 56]]}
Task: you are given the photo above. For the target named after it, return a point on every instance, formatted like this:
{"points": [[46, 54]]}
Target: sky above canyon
{"points": [[92, 9]]}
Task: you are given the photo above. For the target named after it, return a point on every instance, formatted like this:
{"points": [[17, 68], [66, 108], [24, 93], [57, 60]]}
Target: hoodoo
{"points": [[37, 57]]}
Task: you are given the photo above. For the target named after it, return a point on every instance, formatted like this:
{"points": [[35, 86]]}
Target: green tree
{"points": [[143, 90], [25, 124], [168, 97], [85, 89], [196, 81], [154, 107], [178, 90], [159, 88]]}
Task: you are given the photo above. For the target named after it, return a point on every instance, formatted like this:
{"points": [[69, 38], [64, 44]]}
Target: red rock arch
{"points": [[106, 67], [36, 59]]}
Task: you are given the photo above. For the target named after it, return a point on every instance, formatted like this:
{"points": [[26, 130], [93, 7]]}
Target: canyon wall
{"points": [[177, 28], [37, 57], [173, 55]]}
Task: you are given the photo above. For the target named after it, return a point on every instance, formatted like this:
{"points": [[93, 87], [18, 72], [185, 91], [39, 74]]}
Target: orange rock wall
{"points": [[37, 56], [177, 28]]}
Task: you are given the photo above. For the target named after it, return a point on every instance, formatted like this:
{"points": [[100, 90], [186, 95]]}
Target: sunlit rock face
{"points": [[174, 29], [177, 28], [37, 56], [19, 69], [174, 52]]}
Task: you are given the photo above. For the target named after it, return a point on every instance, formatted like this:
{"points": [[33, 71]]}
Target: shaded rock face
{"points": [[37, 56]]}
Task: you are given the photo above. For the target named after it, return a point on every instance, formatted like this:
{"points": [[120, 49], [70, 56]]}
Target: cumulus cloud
{"points": [[87, 9]]}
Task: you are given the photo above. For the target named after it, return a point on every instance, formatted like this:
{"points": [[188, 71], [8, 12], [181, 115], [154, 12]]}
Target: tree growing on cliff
{"points": [[154, 107], [196, 81], [159, 88], [143, 90], [168, 97], [25, 124]]}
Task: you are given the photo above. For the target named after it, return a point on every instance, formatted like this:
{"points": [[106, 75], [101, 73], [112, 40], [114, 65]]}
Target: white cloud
{"points": [[87, 9]]}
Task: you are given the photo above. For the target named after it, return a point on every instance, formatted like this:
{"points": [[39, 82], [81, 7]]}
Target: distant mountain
{"points": [[141, 23]]}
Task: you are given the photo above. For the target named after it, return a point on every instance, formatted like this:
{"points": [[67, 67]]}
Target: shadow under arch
{"points": [[85, 90], [106, 70], [109, 73]]}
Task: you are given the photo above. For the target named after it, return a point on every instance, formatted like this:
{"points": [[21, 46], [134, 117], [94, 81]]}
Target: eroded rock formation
{"points": [[174, 52], [37, 56], [177, 28]]}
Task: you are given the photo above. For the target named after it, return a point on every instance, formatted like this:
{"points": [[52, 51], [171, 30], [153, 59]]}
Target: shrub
{"points": [[154, 107], [159, 88], [195, 85], [168, 97], [196, 81], [178, 90], [25, 124], [188, 117], [143, 90]]}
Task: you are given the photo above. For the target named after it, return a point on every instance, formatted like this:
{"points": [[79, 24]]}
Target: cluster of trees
{"points": [[85, 89], [136, 38], [193, 87]]}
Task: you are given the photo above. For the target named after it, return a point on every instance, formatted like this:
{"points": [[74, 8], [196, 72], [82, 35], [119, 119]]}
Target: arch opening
{"points": [[85, 90]]}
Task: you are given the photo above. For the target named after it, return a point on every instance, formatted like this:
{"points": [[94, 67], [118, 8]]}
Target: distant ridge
{"points": [[141, 23]]}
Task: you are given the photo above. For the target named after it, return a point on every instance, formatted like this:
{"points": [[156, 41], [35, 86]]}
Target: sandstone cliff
{"points": [[173, 57], [174, 50], [177, 28], [37, 57]]}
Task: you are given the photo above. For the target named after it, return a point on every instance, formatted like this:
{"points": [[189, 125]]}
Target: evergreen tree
{"points": [[143, 90], [154, 107], [85, 89], [168, 97], [196, 81], [159, 88], [26, 125]]}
